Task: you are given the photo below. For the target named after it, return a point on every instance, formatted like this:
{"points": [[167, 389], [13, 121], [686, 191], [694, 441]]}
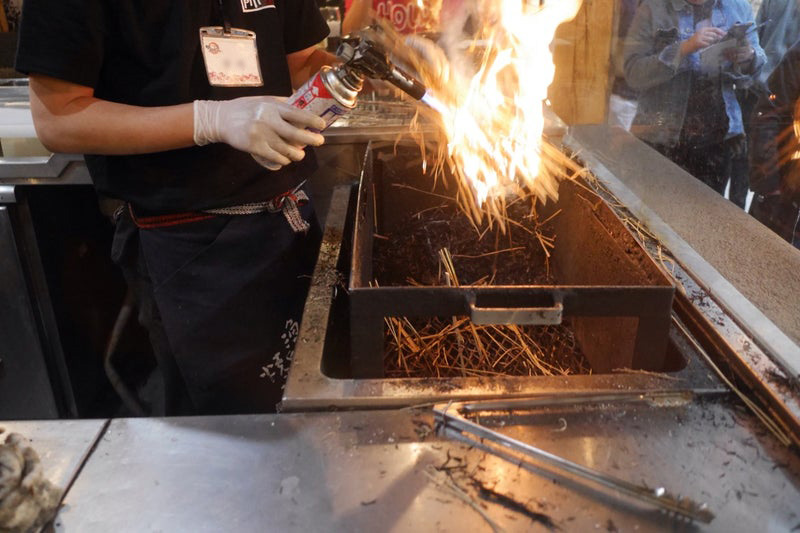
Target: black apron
{"points": [[229, 293]]}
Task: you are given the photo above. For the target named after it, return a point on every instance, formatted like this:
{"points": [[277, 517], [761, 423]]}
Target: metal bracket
{"points": [[454, 424]]}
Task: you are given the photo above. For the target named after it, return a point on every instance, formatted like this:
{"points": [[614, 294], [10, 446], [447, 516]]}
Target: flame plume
{"points": [[791, 157], [489, 86], [796, 127], [788, 154]]}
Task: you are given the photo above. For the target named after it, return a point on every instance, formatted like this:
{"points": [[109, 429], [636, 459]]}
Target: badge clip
{"points": [[231, 57]]}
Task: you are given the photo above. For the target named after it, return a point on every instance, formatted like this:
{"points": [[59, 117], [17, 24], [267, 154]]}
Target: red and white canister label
{"points": [[315, 97]]}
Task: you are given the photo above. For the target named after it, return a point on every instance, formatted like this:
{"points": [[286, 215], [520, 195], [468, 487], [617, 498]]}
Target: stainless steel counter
{"points": [[377, 471]]}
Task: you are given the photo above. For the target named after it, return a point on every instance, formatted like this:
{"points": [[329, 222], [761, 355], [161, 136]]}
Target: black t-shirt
{"points": [[147, 53]]}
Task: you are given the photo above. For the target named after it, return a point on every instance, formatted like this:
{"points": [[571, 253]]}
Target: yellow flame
{"points": [[495, 126], [796, 125], [492, 115], [486, 89]]}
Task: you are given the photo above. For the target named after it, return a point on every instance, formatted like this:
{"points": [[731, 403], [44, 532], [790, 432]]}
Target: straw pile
{"points": [[453, 346], [457, 348]]}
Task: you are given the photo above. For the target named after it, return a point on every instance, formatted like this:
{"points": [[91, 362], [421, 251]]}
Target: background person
{"points": [[778, 23], [622, 102], [779, 29], [775, 158], [687, 112]]}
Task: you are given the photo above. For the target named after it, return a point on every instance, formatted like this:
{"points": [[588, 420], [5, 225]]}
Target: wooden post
{"points": [[3, 19], [582, 55]]}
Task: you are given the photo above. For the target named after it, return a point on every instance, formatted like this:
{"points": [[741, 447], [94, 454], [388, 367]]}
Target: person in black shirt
{"points": [[775, 159], [210, 238]]}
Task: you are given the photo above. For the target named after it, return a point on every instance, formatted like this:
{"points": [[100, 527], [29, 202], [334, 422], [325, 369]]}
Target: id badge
{"points": [[231, 59]]}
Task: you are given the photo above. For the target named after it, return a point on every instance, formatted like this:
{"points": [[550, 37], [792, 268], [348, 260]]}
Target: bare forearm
{"points": [[356, 17], [81, 123], [101, 127]]}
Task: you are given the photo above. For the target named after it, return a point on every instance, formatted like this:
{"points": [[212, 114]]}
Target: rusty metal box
{"points": [[616, 299]]}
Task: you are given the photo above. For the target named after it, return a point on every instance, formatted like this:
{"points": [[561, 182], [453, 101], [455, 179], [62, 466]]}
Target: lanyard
{"points": [[226, 23]]}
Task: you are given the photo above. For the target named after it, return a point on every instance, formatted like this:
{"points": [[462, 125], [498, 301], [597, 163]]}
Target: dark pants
{"points": [[740, 164], [222, 299], [779, 214], [740, 179]]}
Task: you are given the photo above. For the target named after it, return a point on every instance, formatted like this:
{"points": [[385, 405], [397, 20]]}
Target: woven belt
{"points": [[287, 203]]}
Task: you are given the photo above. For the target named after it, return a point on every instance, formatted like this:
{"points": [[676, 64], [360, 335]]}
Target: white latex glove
{"points": [[267, 127]]}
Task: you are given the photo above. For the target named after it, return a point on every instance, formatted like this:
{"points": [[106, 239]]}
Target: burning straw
{"points": [[487, 88], [456, 347], [487, 84]]}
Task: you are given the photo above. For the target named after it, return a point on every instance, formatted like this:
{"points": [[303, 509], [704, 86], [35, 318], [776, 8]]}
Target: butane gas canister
{"points": [[330, 94]]}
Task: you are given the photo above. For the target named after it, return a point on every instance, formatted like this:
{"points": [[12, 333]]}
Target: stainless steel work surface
{"points": [[62, 445], [382, 471]]}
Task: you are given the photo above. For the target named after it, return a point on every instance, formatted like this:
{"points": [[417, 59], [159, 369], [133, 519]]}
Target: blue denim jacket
{"points": [[653, 65], [780, 30]]}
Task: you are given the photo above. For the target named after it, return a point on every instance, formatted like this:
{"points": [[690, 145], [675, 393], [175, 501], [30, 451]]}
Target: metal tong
{"points": [[454, 424]]}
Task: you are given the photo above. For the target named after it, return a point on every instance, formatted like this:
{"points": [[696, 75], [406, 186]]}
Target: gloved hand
{"points": [[268, 128]]}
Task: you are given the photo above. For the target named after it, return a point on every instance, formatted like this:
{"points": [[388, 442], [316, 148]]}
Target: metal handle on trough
{"points": [[530, 316]]}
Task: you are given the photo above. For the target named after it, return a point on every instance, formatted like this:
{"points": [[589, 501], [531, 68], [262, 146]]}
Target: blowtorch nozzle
{"points": [[370, 60]]}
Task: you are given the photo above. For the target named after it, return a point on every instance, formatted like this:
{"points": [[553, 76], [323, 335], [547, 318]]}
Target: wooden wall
{"points": [[582, 54]]}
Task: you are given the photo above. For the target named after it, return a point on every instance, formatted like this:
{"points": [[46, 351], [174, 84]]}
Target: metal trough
{"points": [[614, 297], [321, 376]]}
